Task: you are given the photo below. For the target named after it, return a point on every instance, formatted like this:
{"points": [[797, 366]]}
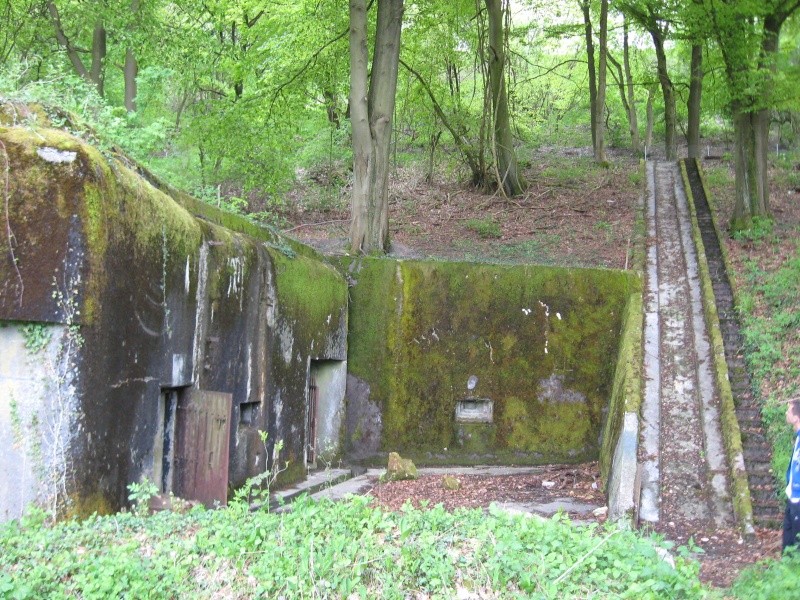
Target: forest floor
{"points": [[574, 213]]}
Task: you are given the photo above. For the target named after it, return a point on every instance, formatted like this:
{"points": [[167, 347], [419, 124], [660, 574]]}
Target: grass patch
{"points": [[717, 177], [327, 549], [759, 229], [485, 228], [535, 250], [575, 172], [770, 579]]}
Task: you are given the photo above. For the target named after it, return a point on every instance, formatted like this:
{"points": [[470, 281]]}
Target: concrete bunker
{"points": [[325, 405], [176, 330], [179, 331]]}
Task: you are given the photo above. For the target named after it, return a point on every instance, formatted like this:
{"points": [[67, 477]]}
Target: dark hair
{"points": [[794, 404]]}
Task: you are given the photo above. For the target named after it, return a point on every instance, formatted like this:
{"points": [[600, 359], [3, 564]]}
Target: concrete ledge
{"points": [[623, 431], [315, 482], [622, 499], [740, 489]]}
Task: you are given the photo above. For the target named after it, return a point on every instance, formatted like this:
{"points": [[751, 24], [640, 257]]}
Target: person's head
{"points": [[793, 413]]}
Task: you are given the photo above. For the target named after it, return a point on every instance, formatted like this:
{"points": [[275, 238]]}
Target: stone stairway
{"points": [[756, 448]]}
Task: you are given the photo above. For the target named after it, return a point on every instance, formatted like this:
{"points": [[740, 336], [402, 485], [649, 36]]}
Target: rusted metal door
{"points": [[202, 436], [313, 394]]}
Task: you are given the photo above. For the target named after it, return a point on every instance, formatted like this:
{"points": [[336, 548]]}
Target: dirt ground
{"points": [[574, 213], [577, 482]]}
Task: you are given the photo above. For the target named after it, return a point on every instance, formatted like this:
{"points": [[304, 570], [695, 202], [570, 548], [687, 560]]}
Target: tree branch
{"points": [[305, 67], [64, 41]]}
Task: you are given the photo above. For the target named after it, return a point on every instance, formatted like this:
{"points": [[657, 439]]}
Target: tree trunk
{"points": [[587, 23], [769, 49], [98, 57], [131, 70], [331, 107], [371, 110], [648, 134], [95, 76], [746, 187], [506, 166], [602, 68], [463, 145], [667, 90], [693, 104], [633, 124], [619, 79]]}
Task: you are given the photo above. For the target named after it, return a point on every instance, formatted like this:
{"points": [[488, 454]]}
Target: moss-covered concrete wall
{"points": [[540, 342], [161, 292]]}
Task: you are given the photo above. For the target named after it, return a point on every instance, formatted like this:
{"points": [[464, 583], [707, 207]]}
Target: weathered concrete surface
{"points": [[536, 340], [622, 486], [363, 423], [37, 419], [651, 406], [684, 472], [163, 293], [331, 380]]}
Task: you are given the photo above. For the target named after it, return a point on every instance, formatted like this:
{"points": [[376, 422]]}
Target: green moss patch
{"points": [[540, 341]]}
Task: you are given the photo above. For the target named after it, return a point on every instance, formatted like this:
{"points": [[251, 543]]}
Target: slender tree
{"points": [[509, 178], [372, 100], [632, 118], [600, 135], [131, 68], [655, 16], [587, 30], [95, 74], [748, 35]]}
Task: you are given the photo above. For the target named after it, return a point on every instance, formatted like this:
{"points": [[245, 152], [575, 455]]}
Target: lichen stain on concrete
{"points": [[552, 390], [54, 155], [287, 342], [236, 275]]}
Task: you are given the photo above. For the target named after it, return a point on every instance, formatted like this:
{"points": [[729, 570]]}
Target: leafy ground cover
{"points": [[348, 549], [574, 213]]}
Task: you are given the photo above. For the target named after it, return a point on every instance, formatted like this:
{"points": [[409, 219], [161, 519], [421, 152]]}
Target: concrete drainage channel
{"points": [[692, 471], [756, 449]]}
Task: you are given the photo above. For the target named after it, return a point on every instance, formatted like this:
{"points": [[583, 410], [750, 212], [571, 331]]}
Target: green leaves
{"points": [[333, 549]]}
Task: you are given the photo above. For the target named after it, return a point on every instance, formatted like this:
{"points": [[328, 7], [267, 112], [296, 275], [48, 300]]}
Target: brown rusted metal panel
{"points": [[313, 394], [202, 436]]}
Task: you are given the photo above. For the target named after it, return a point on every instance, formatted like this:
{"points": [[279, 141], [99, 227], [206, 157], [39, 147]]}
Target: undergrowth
{"points": [[770, 580], [326, 549], [770, 315]]}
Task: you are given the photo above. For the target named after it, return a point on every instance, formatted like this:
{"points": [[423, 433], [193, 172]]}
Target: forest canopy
{"points": [[233, 100]]}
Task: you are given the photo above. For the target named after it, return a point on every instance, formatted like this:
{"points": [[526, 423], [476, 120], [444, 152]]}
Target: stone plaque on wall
{"points": [[474, 410]]}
